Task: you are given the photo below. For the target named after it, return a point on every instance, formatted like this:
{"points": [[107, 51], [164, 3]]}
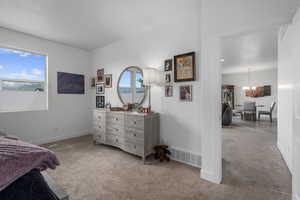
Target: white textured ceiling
{"points": [[90, 24], [255, 51]]}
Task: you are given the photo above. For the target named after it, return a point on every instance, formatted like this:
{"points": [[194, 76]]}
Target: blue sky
{"points": [[21, 65], [126, 80]]}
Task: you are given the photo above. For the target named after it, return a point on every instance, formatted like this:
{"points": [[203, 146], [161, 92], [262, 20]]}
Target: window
{"points": [[21, 71], [23, 77]]}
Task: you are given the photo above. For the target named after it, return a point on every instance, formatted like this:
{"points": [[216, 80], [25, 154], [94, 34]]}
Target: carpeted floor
{"points": [[253, 169]]}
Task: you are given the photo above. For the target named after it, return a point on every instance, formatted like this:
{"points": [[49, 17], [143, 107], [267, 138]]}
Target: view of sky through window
{"points": [[16, 64]]}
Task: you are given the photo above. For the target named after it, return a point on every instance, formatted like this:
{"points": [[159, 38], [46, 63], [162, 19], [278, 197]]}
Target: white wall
{"points": [[288, 95], [67, 115], [258, 78], [180, 127], [220, 19]]}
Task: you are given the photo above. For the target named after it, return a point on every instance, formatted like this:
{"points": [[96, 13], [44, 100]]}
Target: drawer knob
{"points": [[117, 119], [134, 135], [134, 122], [100, 127], [117, 129], [134, 146], [99, 117]]}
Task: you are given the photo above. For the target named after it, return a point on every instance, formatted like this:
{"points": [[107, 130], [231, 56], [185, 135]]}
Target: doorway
{"points": [[251, 159]]}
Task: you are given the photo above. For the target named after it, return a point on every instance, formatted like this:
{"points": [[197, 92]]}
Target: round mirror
{"points": [[130, 86]]}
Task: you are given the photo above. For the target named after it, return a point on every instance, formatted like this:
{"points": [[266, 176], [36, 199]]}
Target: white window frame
{"points": [[30, 81]]}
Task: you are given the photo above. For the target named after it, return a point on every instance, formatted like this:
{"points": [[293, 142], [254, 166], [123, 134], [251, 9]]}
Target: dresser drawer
{"points": [[115, 130], [114, 140], [99, 138], [133, 147], [99, 116], [134, 133], [117, 119], [99, 128], [134, 122]]}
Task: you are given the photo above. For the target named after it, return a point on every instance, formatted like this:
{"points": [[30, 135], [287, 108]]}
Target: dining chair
{"points": [[249, 110], [267, 112]]}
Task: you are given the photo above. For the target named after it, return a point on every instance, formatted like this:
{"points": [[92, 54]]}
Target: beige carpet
{"points": [[253, 169]]}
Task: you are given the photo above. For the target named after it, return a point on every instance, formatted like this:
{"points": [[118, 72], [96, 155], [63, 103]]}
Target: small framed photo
{"points": [[168, 65], [185, 93], [168, 78], [100, 88], [108, 80], [168, 91], [93, 82], [100, 101], [100, 75], [185, 67]]}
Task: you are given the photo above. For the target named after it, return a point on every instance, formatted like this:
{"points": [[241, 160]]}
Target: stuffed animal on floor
{"points": [[161, 153]]}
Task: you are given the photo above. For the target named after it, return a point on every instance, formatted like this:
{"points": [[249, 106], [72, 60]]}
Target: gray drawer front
{"points": [[99, 116], [134, 133], [114, 140], [115, 130], [133, 147], [134, 122], [99, 138], [117, 119], [99, 128]]}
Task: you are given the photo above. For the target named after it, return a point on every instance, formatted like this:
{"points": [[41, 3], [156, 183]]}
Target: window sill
{"points": [[23, 110]]}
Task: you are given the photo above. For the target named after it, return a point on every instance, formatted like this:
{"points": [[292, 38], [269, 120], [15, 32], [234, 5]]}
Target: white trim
{"points": [[285, 156], [296, 197], [59, 138], [184, 162], [23, 110], [215, 178]]}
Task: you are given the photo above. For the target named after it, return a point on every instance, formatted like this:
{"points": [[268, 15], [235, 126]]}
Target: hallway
{"points": [[252, 161]]}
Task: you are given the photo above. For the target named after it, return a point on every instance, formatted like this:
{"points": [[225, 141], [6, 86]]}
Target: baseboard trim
{"points": [[285, 156], [214, 178], [61, 137]]}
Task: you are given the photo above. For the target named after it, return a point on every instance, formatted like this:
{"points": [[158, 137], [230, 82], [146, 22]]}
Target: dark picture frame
{"points": [[100, 75], [100, 101], [185, 67], [168, 78], [168, 91], [168, 65], [100, 88], [108, 80], [69, 83], [186, 93]]}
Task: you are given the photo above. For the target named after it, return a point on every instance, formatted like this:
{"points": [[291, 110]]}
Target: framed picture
{"points": [[68, 83], [100, 101], [168, 91], [100, 75], [168, 78], [168, 65], [184, 67], [93, 82], [108, 80], [185, 93], [100, 88]]}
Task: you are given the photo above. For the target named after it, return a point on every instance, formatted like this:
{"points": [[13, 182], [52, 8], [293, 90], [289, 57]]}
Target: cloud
{"points": [[12, 51], [1, 67], [36, 72]]}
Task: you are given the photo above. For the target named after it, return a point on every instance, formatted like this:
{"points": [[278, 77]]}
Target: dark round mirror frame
{"points": [[118, 86]]}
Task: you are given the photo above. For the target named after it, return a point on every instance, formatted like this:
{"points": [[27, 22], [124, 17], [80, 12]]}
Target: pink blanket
{"points": [[18, 158]]}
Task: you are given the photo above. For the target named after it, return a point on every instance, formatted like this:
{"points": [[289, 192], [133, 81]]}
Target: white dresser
{"points": [[136, 133]]}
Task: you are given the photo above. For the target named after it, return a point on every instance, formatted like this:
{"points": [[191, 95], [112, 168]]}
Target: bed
{"points": [[22, 171]]}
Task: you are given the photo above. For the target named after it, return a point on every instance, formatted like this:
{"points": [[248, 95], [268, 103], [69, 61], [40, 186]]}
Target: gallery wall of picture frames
{"points": [[100, 83], [182, 68]]}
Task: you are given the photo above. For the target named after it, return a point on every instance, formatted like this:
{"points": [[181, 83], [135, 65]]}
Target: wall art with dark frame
{"points": [[185, 67]]}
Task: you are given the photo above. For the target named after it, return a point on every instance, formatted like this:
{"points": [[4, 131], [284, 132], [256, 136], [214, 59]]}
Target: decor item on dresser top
{"points": [[100, 101], [185, 92], [184, 67], [100, 75], [168, 91], [131, 89], [135, 133], [100, 88], [108, 80], [152, 77], [168, 65], [68, 83]]}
